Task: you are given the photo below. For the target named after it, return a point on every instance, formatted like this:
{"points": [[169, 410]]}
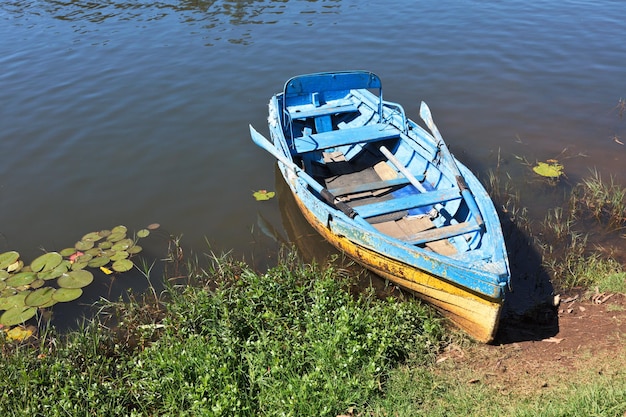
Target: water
{"points": [[137, 112]]}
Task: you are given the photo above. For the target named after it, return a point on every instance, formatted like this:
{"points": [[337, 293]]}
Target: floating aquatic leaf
{"points": [[93, 236], [15, 266], [38, 283], [122, 254], [83, 245], [8, 258], [122, 265], [263, 195], [75, 279], [19, 334], [114, 237], [39, 297], [93, 252], [99, 261], [77, 266], [105, 245], [22, 278], [135, 249], [56, 272], [63, 295], [551, 169], [3, 285], [153, 226], [106, 270], [122, 244], [7, 292], [15, 300], [119, 229], [17, 315], [46, 262], [67, 252], [143, 233], [4, 274], [104, 233]]}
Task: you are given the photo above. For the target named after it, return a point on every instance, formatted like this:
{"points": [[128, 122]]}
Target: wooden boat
{"points": [[389, 194]]}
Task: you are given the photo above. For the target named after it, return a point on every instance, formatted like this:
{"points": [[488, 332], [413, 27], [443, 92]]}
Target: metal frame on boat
{"points": [[389, 194]]}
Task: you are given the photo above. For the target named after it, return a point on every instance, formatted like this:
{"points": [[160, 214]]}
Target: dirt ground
{"points": [[583, 333]]}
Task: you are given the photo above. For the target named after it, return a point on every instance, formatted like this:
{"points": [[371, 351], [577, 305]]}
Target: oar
{"points": [[262, 142], [465, 191], [408, 175]]}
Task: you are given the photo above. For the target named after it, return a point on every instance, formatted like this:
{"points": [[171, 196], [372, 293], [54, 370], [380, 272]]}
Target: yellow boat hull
{"points": [[472, 312]]}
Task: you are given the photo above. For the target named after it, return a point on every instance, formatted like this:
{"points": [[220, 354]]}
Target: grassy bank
{"points": [[292, 341]]}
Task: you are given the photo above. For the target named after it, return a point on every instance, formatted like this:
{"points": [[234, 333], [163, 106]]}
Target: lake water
{"points": [[134, 112]]}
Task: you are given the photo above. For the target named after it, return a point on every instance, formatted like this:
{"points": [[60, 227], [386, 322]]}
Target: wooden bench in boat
{"points": [[370, 186], [305, 111], [334, 138], [443, 232], [407, 202]]}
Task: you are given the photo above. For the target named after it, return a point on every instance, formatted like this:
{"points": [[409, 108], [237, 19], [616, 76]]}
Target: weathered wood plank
{"points": [[408, 202], [443, 232], [334, 138]]}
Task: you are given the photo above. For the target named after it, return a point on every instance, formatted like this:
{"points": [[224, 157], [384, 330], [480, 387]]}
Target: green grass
{"points": [[292, 341]]}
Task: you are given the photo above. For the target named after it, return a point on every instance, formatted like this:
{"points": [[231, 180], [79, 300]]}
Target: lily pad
{"points": [[153, 226], [105, 245], [84, 245], [8, 258], [121, 254], [551, 169], [122, 265], [99, 261], [7, 292], [119, 229], [93, 236], [38, 283], [63, 295], [135, 249], [15, 266], [16, 300], [263, 195], [17, 315], [117, 236], [68, 251], [23, 278], [56, 272], [39, 297], [77, 266], [75, 279], [46, 262], [93, 252], [4, 274], [122, 244], [143, 233]]}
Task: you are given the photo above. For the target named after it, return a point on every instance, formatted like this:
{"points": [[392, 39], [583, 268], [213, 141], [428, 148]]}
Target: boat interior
{"points": [[365, 152]]}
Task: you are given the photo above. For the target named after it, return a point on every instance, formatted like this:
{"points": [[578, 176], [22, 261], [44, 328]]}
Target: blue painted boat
{"points": [[389, 194]]}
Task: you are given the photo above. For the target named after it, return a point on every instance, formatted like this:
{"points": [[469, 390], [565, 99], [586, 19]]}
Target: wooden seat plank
{"points": [[334, 138], [371, 186], [443, 232], [310, 110], [408, 202]]}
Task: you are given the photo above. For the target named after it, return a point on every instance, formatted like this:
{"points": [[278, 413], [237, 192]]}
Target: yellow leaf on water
{"points": [[19, 334], [106, 270], [263, 195], [550, 170]]}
